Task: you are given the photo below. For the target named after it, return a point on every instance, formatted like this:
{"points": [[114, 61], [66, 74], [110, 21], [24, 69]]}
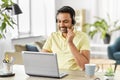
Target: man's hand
{"points": [[70, 35]]}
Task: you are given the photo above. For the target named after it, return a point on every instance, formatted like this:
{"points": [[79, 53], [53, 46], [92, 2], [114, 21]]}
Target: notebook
{"points": [[41, 64]]}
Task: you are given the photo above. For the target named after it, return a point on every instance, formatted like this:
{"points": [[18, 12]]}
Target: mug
{"points": [[90, 69]]}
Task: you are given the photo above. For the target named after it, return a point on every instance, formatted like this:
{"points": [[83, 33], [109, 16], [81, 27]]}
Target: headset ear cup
{"points": [[56, 20], [73, 21]]}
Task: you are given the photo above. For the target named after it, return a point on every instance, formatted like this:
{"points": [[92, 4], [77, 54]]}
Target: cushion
{"points": [[40, 44], [31, 48], [117, 55], [19, 48]]}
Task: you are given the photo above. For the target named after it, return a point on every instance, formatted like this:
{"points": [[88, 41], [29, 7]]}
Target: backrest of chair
{"points": [[117, 44]]}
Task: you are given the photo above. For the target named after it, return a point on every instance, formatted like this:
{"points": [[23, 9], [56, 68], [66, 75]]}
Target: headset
{"points": [[67, 9]]}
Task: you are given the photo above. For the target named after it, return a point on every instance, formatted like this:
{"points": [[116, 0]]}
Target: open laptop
{"points": [[41, 64]]}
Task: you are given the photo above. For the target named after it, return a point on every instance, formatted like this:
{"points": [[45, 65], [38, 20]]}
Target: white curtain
{"points": [[43, 17], [38, 17]]}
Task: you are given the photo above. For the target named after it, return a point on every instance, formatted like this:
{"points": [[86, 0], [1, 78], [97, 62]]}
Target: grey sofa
{"points": [[25, 44]]}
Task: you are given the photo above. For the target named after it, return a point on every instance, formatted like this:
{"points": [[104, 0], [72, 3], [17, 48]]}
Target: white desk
{"points": [[73, 75]]}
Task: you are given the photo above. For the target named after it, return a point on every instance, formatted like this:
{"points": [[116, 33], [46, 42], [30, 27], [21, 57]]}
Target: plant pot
{"points": [[108, 77], [107, 39]]}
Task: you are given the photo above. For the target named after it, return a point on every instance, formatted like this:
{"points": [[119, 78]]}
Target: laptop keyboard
{"points": [[63, 74]]}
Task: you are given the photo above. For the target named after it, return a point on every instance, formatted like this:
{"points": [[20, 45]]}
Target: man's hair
{"points": [[67, 9]]}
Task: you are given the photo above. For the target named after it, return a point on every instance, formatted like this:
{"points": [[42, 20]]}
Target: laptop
{"points": [[41, 64]]}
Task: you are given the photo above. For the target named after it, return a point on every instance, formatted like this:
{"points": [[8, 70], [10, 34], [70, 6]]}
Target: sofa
{"points": [[25, 44]]}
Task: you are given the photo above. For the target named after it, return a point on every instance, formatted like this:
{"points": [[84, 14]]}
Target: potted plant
{"points": [[6, 20], [104, 27], [109, 74]]}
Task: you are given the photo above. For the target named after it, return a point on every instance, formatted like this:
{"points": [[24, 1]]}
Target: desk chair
{"points": [[114, 52]]}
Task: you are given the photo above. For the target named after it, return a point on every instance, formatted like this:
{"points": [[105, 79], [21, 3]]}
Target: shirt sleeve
{"points": [[48, 44]]}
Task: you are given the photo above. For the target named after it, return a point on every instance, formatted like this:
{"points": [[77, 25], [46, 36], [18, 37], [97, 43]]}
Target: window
{"points": [[24, 26], [37, 17]]}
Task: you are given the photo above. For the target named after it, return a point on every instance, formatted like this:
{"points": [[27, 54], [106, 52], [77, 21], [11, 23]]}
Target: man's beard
{"points": [[63, 29]]}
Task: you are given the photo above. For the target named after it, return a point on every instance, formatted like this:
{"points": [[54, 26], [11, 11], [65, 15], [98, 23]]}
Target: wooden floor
{"points": [[105, 66], [118, 67]]}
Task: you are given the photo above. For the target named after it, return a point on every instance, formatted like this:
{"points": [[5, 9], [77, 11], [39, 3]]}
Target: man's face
{"points": [[64, 22]]}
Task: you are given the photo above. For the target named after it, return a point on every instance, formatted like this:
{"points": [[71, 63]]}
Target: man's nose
{"points": [[61, 24]]}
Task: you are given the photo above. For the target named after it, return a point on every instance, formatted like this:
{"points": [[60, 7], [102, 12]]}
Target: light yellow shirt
{"points": [[56, 43]]}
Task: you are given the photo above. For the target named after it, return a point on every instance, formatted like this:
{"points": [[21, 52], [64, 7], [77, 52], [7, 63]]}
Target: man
{"points": [[72, 47]]}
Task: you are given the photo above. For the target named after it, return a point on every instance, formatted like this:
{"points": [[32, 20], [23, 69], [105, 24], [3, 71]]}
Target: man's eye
{"points": [[65, 21], [59, 21]]}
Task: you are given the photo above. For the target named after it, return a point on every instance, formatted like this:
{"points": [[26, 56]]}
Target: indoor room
{"points": [[26, 25]]}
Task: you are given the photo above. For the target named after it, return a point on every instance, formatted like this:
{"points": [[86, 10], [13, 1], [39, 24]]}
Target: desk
{"points": [[73, 75]]}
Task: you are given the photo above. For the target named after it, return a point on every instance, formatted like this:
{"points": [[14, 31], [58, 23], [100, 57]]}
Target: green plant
{"points": [[109, 72], [6, 20], [103, 26]]}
